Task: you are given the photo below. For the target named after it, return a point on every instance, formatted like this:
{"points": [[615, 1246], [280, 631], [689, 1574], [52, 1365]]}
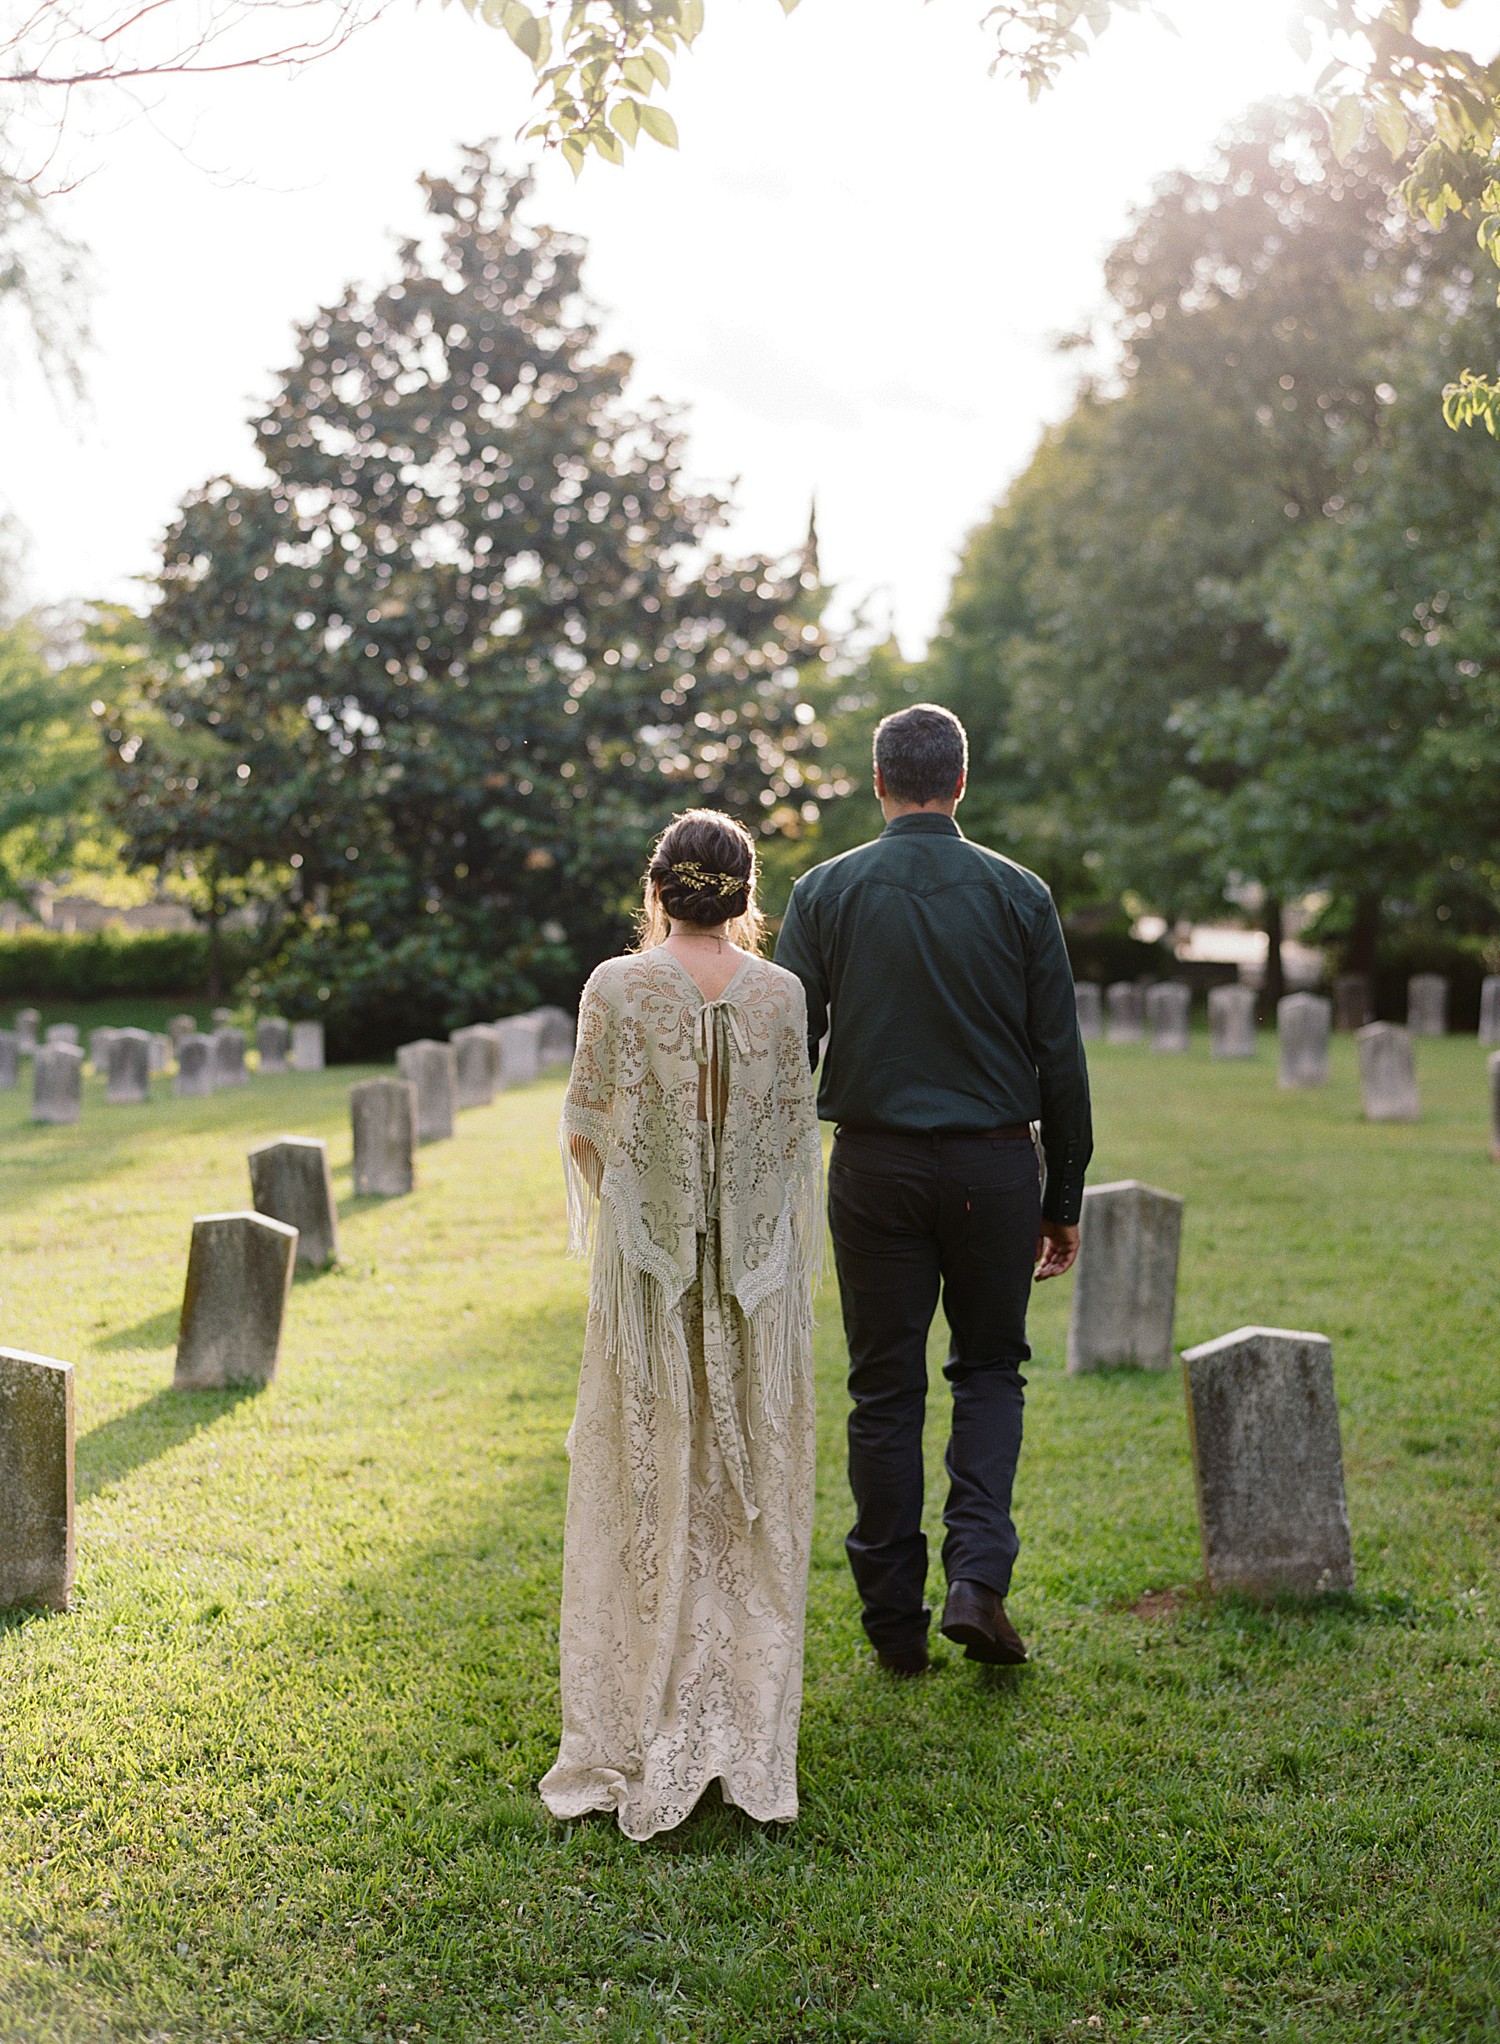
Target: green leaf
{"points": [[788, 5], [607, 145], [573, 153], [638, 74], [1299, 38], [625, 119], [659, 125], [1346, 122], [1393, 128], [659, 65], [691, 24]]}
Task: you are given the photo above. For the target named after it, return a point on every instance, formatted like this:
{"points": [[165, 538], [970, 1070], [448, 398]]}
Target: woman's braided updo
{"points": [[702, 870]]}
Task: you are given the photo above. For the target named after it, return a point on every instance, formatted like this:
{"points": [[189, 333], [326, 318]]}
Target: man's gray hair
{"points": [[921, 753]]}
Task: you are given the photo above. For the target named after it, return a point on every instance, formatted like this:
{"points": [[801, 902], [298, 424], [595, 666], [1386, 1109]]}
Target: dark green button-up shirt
{"points": [[939, 971]]}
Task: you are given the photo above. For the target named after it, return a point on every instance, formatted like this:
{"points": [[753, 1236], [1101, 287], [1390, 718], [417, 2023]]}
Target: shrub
{"points": [[42, 965]]}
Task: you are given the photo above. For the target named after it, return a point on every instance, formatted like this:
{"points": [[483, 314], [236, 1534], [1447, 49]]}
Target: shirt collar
{"points": [[922, 824]]}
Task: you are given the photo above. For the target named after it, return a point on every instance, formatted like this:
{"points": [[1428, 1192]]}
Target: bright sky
{"points": [[850, 277]]}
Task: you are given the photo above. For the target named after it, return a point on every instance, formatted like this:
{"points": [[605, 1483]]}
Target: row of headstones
{"points": [[1387, 1061], [128, 1059], [435, 1081], [1129, 1013], [1263, 1419], [239, 1275]]}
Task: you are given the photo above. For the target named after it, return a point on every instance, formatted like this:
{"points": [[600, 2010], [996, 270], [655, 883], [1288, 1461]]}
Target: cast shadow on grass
{"points": [[158, 1330], [165, 1421]]}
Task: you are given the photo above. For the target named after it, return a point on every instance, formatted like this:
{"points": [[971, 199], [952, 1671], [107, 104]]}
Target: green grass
{"points": [[120, 1011], [274, 1778]]}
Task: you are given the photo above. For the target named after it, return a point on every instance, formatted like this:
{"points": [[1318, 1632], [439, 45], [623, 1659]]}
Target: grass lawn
{"points": [[274, 1778], [120, 1011]]}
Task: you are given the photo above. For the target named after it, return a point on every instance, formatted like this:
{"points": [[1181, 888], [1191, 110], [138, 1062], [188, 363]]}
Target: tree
{"points": [[51, 773], [448, 670]]}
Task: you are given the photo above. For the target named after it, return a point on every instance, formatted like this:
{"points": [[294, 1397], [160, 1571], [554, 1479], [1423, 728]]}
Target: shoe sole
{"points": [[983, 1646]]}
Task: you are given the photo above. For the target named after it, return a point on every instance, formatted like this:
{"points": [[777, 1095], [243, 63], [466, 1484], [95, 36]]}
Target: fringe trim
{"points": [[640, 1325]]}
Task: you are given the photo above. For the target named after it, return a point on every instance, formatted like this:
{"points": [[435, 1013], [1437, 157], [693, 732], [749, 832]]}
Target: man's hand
{"points": [[1056, 1250]]}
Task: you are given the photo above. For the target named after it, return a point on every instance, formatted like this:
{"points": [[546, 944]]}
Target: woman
{"points": [[690, 1143]]}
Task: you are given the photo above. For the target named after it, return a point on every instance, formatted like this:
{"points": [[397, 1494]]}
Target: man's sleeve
{"points": [[797, 950], [1057, 1052]]}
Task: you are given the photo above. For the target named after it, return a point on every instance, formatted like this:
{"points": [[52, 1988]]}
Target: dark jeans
{"points": [[912, 1215]]}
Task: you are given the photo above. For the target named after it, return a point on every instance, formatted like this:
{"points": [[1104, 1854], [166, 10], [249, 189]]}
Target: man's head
{"points": [[921, 760]]}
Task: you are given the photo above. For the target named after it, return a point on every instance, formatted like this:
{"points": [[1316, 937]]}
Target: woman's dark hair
{"points": [[921, 753], [702, 870]]}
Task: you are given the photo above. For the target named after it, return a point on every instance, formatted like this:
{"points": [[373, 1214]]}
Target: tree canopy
{"points": [[441, 677]]}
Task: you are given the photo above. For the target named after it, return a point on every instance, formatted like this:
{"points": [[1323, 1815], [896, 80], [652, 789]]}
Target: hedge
{"points": [[40, 965]]}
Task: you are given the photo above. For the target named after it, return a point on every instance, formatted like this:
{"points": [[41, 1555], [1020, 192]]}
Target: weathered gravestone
{"points": [[384, 1117], [476, 1065], [221, 1018], [36, 1480], [307, 1046], [180, 1028], [1089, 1002], [556, 1036], [129, 1069], [28, 1022], [1125, 1013], [1493, 1064], [195, 1068], [238, 1279], [290, 1180], [1353, 1001], [430, 1066], [520, 1049], [1125, 1284], [10, 1060], [99, 1043], [161, 1052], [1489, 1012], [229, 1057], [1387, 1073], [1302, 1022], [1168, 1005], [1267, 1462], [1427, 1004], [272, 1040], [62, 1032], [57, 1083], [1231, 1021]]}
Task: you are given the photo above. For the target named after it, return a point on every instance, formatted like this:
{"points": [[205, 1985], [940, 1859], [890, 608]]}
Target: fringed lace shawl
{"points": [[691, 1123]]}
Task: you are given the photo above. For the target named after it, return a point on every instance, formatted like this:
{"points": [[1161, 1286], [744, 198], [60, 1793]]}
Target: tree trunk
{"points": [[1273, 985], [215, 945], [1364, 936]]}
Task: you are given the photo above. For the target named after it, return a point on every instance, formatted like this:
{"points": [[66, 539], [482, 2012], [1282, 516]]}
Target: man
{"points": [[938, 969]]}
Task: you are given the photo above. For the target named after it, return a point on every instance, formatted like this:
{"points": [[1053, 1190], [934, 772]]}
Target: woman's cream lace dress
{"points": [[691, 1148]]}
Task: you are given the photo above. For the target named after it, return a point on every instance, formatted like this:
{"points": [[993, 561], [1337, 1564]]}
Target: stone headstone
{"points": [[1268, 1463], [28, 1022], [476, 1065], [10, 1060], [161, 1051], [129, 1069], [307, 1046], [180, 1028], [384, 1116], [57, 1083], [1492, 1064], [430, 1067], [1231, 1021], [1489, 1012], [520, 1049], [1353, 1001], [556, 1047], [1427, 1004], [36, 1481], [1302, 1024], [195, 1068], [1125, 1285], [1167, 1009], [99, 1043], [229, 1057], [239, 1277], [272, 1040], [1090, 1005], [62, 1032], [221, 1018], [1387, 1072], [1125, 1013], [290, 1180]]}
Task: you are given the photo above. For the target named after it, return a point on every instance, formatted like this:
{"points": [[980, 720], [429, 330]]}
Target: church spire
{"points": [[812, 575]]}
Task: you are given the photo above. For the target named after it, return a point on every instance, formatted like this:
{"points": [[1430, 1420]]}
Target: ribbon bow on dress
{"points": [[719, 1029]]}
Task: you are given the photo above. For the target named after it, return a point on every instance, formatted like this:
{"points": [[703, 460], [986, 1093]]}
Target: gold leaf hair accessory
{"points": [[698, 880]]}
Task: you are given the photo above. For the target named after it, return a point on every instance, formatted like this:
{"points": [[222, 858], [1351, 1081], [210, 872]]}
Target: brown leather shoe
{"points": [[904, 1661], [974, 1618]]}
